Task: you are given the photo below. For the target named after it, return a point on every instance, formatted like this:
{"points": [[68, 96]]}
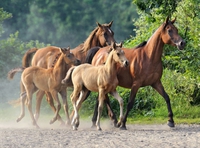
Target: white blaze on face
{"points": [[110, 31]]}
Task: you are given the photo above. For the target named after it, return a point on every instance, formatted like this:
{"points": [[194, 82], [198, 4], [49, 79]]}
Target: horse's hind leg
{"points": [[22, 99], [51, 103], [54, 94], [63, 94]]}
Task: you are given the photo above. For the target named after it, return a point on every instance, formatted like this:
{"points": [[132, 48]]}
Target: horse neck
{"points": [[111, 65], [154, 46], [60, 67]]}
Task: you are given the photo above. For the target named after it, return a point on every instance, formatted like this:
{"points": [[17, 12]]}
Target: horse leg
{"points": [[100, 108], [121, 104], [75, 118], [111, 114], [51, 103], [63, 94], [29, 98], [22, 99], [160, 89], [39, 96], [54, 94], [81, 99], [23, 96], [79, 104], [130, 104]]}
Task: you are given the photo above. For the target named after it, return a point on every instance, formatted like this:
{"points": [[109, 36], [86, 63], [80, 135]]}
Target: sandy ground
{"points": [[24, 135]]}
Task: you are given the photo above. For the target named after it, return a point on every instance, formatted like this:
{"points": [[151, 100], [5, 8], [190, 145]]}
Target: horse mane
{"points": [[56, 59], [90, 54], [88, 41], [141, 44]]}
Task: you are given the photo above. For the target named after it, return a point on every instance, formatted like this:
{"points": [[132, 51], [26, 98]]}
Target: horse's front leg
{"points": [[130, 104], [54, 94], [111, 114], [160, 89], [121, 104], [100, 108], [63, 94], [29, 98]]}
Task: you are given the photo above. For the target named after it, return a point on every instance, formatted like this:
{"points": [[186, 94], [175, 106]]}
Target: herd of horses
{"points": [[99, 65]]}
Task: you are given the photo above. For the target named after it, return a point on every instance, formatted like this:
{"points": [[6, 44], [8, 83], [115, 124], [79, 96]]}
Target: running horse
{"points": [[101, 79], [145, 65], [49, 80], [101, 36]]}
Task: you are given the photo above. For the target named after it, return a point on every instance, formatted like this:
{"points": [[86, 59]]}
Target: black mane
{"points": [[141, 44]]}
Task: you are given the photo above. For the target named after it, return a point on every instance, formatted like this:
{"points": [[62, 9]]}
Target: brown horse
{"points": [[101, 36], [49, 80], [145, 65], [102, 79]]}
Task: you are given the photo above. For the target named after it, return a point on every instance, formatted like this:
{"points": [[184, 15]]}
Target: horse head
{"points": [[170, 34], [104, 34], [69, 57], [119, 55]]}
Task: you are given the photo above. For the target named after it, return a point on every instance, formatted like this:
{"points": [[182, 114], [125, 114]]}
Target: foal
{"points": [[101, 79], [49, 80]]}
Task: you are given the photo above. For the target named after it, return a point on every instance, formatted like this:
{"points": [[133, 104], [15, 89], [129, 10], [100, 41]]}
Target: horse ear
{"points": [[68, 48], [120, 44], [167, 20], [99, 24], [173, 20], [110, 24], [113, 45], [62, 50]]}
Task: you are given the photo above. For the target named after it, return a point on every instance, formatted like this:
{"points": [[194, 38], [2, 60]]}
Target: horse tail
{"points": [[18, 101], [26, 60], [12, 72], [90, 54], [68, 79]]}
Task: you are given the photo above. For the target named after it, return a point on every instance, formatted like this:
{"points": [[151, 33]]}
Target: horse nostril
{"points": [[182, 43]]}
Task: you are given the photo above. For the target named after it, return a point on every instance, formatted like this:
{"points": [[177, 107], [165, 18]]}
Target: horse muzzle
{"points": [[181, 44], [126, 63]]}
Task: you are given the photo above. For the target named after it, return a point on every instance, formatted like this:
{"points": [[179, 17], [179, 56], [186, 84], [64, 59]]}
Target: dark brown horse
{"points": [[101, 36], [145, 65], [49, 80]]}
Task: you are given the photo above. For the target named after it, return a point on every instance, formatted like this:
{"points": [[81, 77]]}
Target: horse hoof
{"points": [[170, 124], [18, 119], [93, 126], [123, 128], [118, 124], [99, 129], [74, 128]]}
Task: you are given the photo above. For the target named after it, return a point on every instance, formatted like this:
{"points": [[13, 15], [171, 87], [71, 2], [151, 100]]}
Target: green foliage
{"points": [[68, 23], [3, 15], [12, 50]]}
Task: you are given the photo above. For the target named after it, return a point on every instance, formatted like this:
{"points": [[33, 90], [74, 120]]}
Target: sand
{"points": [[24, 135]]}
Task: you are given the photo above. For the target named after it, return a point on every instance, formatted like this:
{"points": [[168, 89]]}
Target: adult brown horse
{"points": [[145, 65], [101, 36], [49, 80]]}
